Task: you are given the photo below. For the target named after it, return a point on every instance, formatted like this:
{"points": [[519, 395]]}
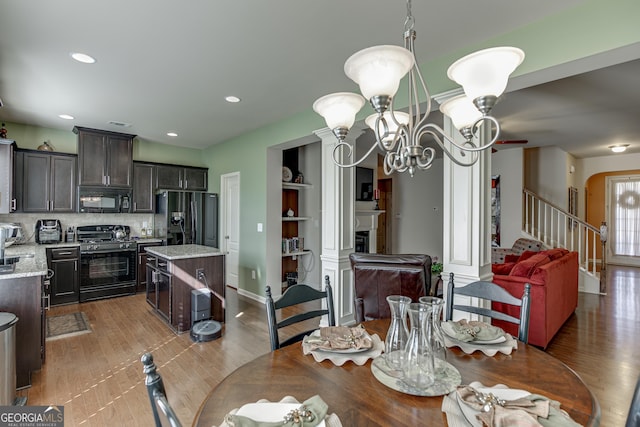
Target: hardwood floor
{"points": [[98, 376]]}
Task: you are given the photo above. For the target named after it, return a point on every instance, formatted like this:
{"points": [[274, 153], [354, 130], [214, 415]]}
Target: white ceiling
{"points": [[166, 65]]}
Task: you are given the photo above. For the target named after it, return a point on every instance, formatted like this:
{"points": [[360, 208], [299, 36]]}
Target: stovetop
{"points": [[104, 237]]}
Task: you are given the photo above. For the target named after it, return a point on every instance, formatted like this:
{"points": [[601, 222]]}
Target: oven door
{"points": [[105, 274]]}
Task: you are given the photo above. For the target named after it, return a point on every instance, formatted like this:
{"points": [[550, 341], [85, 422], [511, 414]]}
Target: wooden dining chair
{"points": [[296, 295], [491, 292], [633, 419], [163, 414]]}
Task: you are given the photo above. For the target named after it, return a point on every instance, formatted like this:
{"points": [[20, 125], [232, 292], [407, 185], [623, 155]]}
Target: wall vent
{"points": [[121, 124]]}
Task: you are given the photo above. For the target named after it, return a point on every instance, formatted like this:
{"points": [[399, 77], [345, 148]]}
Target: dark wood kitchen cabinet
{"points": [[47, 181], [142, 264], [105, 159], [64, 287], [22, 296], [144, 187], [174, 177]]}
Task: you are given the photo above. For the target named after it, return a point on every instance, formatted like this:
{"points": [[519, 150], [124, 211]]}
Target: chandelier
{"points": [[378, 71]]}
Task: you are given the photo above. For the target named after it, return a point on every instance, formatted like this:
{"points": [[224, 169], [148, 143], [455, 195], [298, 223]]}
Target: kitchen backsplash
{"points": [[28, 220]]}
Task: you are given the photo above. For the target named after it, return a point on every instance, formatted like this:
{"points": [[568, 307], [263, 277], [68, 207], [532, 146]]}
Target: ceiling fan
{"points": [[509, 141]]}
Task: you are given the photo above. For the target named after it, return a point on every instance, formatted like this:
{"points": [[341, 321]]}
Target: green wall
{"points": [[591, 28], [30, 137]]}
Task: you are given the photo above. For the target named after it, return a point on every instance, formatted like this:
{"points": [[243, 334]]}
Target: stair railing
{"points": [[556, 227]]}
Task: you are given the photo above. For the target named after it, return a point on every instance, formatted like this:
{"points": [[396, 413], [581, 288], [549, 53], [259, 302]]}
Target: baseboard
{"points": [[251, 295]]}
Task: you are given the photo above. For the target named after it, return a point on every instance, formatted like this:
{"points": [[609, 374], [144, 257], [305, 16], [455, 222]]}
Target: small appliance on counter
{"points": [[14, 234], [71, 235], [48, 231]]}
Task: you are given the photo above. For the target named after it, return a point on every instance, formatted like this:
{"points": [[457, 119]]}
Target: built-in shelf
{"points": [[295, 186], [296, 218], [292, 254]]}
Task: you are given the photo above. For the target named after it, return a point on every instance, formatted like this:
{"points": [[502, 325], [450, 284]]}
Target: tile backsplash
{"points": [[28, 220]]}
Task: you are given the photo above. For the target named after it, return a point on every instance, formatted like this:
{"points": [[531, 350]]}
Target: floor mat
{"points": [[67, 325]]}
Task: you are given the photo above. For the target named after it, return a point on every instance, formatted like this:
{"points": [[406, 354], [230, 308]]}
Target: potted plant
{"points": [[436, 267]]}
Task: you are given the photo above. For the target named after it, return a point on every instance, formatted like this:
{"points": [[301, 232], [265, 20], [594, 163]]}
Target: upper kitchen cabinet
{"points": [[105, 159], [172, 177], [47, 182], [144, 191]]}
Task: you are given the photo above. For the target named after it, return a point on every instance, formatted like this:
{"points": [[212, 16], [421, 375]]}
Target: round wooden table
{"points": [[359, 399]]}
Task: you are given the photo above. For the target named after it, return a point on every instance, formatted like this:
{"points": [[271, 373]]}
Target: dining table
{"points": [[354, 394]]}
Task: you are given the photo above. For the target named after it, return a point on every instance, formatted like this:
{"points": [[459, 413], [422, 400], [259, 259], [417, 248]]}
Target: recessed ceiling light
{"points": [[618, 148], [66, 116], [83, 57], [232, 99], [172, 134]]}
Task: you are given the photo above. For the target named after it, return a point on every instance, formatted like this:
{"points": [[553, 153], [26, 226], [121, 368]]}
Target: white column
{"points": [[338, 221], [467, 214]]}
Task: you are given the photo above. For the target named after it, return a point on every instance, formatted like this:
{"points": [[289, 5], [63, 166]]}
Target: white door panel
{"points": [[230, 200]]}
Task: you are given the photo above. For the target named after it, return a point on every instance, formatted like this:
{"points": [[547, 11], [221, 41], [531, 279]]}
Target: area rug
{"points": [[67, 325]]}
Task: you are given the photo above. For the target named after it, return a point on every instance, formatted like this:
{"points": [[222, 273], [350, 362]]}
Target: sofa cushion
{"points": [[510, 258], [526, 268], [503, 269]]}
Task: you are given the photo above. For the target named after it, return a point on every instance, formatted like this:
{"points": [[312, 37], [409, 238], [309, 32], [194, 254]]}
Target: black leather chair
{"points": [[633, 419], [163, 414], [293, 296], [496, 294], [375, 276]]}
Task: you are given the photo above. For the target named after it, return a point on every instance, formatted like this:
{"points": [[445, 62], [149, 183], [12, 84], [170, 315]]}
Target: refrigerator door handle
{"points": [[194, 221]]}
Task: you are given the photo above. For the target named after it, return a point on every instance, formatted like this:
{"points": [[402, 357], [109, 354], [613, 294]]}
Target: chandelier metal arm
{"points": [[342, 144], [432, 129], [474, 154]]}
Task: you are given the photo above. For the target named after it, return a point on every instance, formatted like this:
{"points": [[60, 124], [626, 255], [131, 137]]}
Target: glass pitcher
{"points": [[436, 335], [419, 371], [397, 335]]}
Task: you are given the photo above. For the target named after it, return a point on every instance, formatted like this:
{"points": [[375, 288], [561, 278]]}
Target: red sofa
{"points": [[553, 275]]}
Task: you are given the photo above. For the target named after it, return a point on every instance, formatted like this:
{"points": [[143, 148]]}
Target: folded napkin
{"points": [[340, 338], [310, 413], [473, 330], [529, 411]]}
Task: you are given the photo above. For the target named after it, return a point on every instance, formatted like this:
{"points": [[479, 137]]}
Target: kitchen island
{"points": [[173, 272]]}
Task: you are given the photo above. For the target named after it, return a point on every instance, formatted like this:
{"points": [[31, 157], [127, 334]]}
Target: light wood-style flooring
{"points": [[98, 376]]}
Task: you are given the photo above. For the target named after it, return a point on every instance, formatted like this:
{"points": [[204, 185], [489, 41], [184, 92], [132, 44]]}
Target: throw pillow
{"points": [[555, 253], [511, 258], [526, 268], [526, 255], [502, 269]]}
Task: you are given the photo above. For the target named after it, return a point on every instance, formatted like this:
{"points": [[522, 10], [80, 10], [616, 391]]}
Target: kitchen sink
{"points": [[8, 264]]}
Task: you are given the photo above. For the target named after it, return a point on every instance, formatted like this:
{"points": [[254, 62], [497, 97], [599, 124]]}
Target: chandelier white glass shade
{"points": [[378, 71]]}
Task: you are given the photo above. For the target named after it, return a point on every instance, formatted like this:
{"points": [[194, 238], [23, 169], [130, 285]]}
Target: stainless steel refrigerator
{"points": [[187, 217]]}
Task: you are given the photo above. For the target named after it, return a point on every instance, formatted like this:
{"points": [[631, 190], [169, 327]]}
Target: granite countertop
{"points": [[33, 261], [183, 251]]}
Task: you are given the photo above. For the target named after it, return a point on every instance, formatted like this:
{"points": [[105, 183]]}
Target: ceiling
{"points": [[164, 65]]}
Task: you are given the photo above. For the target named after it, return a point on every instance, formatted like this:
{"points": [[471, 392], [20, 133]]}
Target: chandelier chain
{"points": [[409, 22]]}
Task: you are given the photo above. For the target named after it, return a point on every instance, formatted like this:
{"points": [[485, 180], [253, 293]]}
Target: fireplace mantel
{"points": [[367, 220]]}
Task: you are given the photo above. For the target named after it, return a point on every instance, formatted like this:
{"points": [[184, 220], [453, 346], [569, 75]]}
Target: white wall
{"points": [[417, 205], [509, 164], [546, 173]]}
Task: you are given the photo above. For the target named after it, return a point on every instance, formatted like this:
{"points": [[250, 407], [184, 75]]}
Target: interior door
{"points": [[230, 225]]}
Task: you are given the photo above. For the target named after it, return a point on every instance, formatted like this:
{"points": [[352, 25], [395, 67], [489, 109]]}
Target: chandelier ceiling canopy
{"points": [[378, 71]]}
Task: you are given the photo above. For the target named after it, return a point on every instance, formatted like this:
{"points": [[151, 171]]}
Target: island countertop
{"points": [[174, 252]]}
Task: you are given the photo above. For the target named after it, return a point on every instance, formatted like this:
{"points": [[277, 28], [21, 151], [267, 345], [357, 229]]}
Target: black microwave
{"points": [[104, 200]]}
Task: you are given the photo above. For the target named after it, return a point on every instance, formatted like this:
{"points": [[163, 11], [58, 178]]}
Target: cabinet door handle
{"points": [[13, 204], [135, 206], [180, 183], [64, 253], [48, 305], [104, 180], [186, 184], [162, 264], [75, 265], [108, 180]]}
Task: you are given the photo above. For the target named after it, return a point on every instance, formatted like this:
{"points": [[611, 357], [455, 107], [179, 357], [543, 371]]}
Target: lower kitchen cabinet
{"points": [[141, 278], [64, 285], [23, 297]]}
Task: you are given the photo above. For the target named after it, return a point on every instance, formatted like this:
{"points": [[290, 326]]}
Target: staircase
{"points": [[555, 227]]}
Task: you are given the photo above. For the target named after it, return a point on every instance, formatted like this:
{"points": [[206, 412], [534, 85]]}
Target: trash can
{"points": [[8, 358]]}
